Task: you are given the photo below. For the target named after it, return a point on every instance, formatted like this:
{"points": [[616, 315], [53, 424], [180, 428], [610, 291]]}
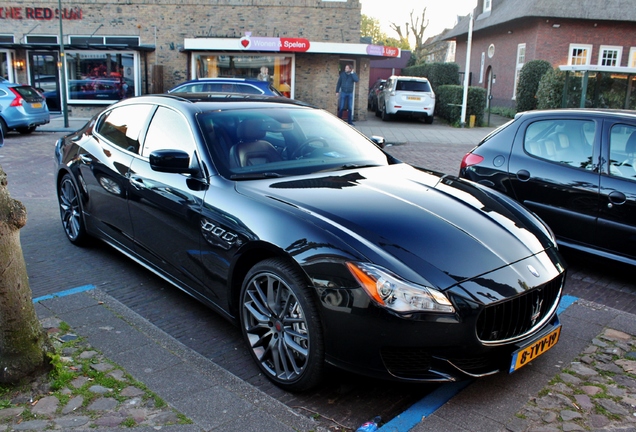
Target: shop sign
{"points": [[384, 51], [39, 13], [250, 43]]}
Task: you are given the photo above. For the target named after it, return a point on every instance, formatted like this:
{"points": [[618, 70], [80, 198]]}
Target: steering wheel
{"points": [[309, 146]]}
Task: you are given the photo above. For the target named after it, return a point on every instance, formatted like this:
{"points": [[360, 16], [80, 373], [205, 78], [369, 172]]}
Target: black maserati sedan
{"points": [[574, 168], [317, 243]]}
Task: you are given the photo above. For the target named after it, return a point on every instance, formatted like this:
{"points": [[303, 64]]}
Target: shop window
{"points": [[632, 57], [100, 77], [278, 70]]}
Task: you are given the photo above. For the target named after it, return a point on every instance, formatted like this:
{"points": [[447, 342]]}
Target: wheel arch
{"points": [[248, 258]]}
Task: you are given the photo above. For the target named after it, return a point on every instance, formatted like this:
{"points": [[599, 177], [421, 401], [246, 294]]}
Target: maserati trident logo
{"points": [[536, 311], [534, 271]]}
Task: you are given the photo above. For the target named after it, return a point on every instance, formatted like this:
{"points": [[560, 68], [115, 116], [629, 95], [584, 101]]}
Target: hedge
{"points": [[448, 104]]}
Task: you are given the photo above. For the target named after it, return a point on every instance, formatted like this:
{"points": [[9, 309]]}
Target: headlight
{"points": [[392, 292]]}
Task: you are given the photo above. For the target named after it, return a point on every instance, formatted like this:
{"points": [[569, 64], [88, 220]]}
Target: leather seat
{"points": [[251, 148]]}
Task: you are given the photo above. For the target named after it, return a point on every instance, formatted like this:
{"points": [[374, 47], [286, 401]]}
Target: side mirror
{"points": [[378, 140], [171, 161]]}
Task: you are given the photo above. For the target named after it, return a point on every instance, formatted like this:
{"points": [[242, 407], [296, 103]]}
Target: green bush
{"points": [[449, 100], [550, 90], [438, 74], [529, 79]]}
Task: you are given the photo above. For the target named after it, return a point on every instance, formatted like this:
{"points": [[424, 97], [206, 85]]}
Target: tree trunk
{"points": [[23, 343]]}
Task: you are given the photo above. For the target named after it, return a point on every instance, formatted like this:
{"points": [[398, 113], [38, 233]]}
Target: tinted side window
{"points": [[122, 126], [244, 88], [567, 142], [168, 130], [623, 151]]}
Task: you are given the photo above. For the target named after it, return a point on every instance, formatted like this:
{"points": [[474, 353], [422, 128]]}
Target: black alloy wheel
{"points": [[71, 211], [280, 323]]}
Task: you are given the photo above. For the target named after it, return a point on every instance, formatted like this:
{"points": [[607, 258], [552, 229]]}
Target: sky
{"points": [[440, 14]]}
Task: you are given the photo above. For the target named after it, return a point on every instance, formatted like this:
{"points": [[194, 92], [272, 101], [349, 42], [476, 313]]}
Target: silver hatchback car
{"points": [[22, 108]]}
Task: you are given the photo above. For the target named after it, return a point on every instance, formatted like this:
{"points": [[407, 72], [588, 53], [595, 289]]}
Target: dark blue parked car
{"points": [[227, 85]]}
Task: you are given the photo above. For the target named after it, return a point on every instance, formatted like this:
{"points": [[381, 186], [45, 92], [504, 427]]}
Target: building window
{"points": [[521, 60], [41, 39], [610, 56], [130, 41], [632, 58], [579, 55], [101, 77], [487, 5], [278, 69], [481, 67]]}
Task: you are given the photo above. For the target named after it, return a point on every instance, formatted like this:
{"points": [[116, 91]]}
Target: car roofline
{"points": [[225, 97]]}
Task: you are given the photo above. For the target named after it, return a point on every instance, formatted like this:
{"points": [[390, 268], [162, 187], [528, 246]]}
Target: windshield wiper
{"points": [[255, 176]]}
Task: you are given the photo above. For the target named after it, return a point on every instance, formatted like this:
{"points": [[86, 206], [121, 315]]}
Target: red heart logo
{"points": [[245, 43]]}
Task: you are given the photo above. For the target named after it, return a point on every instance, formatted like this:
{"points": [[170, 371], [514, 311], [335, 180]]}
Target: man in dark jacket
{"points": [[344, 92]]}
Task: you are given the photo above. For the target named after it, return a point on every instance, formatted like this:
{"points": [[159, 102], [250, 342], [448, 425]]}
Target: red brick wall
{"points": [[543, 42]]}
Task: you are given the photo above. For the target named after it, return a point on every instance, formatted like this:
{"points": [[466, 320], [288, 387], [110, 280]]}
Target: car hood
{"points": [[413, 218]]}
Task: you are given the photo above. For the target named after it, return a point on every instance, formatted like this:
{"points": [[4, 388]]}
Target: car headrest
{"points": [[251, 130], [630, 145]]}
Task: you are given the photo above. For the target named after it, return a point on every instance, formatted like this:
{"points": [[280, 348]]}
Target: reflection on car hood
{"points": [[419, 218]]}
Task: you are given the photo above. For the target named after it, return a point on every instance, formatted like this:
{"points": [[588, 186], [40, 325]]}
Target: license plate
{"points": [[525, 355], [37, 105], [413, 98]]}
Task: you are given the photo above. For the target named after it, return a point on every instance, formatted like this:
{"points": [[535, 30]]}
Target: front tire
{"points": [[71, 211], [280, 324]]}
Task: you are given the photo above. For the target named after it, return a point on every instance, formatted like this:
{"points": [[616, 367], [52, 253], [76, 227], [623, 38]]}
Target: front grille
{"points": [[406, 362], [520, 315]]}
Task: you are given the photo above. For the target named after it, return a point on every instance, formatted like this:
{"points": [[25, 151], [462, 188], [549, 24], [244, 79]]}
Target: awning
{"points": [[249, 43]]}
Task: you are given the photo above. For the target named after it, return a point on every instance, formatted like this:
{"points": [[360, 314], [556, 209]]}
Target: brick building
{"points": [[123, 48], [580, 35]]}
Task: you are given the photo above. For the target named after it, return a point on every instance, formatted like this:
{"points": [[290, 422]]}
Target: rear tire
{"points": [[71, 211], [4, 128], [385, 115], [26, 130], [281, 325], [428, 119]]}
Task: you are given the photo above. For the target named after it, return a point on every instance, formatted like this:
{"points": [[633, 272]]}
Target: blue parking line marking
{"points": [[566, 301], [429, 404], [64, 293], [425, 407]]}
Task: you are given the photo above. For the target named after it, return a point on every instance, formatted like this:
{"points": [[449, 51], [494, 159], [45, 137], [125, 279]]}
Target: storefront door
{"points": [[44, 77]]}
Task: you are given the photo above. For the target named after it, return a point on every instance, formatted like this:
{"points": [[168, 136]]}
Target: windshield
{"points": [[284, 140]]}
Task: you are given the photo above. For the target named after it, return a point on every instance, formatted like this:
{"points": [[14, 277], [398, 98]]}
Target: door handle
{"points": [[616, 198], [523, 175], [137, 182]]}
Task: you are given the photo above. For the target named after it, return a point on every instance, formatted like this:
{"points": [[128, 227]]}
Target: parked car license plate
{"points": [[526, 354], [413, 98], [37, 105]]}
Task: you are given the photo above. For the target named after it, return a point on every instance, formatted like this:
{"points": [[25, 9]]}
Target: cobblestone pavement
{"points": [[597, 391], [89, 393]]}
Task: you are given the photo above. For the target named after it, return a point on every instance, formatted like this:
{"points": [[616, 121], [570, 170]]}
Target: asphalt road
{"points": [[55, 265]]}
